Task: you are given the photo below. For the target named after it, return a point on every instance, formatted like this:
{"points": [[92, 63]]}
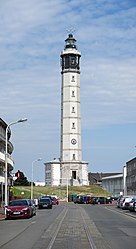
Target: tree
{"points": [[21, 179]]}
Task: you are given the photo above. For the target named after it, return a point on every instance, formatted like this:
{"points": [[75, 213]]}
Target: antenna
{"points": [[71, 30]]}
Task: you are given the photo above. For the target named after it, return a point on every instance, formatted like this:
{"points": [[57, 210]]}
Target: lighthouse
{"points": [[73, 171]]}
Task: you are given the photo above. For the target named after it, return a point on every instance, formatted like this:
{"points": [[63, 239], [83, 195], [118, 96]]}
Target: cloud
{"points": [[32, 36]]}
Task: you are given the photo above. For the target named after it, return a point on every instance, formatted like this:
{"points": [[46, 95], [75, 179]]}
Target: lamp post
{"points": [[37, 160], [6, 159], [66, 186]]}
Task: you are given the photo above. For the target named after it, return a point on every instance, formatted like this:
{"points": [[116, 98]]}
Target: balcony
{"points": [[9, 159]]}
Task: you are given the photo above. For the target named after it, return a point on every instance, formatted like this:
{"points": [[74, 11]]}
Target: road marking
{"points": [[120, 212], [33, 222]]}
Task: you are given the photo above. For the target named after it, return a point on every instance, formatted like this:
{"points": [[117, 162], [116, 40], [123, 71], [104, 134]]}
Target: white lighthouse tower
{"points": [[73, 171]]}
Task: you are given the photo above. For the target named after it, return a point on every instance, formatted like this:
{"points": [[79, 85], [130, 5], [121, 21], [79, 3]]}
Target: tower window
{"points": [[73, 94], [73, 109], [74, 157], [73, 125], [73, 78]]}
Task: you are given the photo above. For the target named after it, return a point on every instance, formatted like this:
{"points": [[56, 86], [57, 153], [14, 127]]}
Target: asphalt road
{"points": [[70, 227]]}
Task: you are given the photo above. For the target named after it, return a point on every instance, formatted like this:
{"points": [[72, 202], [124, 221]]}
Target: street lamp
{"points": [[66, 186], [6, 159], [37, 160]]}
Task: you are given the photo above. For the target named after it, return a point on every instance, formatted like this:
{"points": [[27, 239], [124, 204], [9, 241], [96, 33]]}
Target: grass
{"points": [[61, 191]]}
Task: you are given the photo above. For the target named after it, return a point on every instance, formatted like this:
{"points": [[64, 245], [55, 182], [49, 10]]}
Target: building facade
{"points": [[52, 173], [131, 176], [96, 178], [124, 183], [10, 162], [113, 184]]}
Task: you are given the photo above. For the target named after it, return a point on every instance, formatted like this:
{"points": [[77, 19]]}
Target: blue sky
{"points": [[32, 35]]}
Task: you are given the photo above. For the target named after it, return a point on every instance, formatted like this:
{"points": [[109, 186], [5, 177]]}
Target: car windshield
{"points": [[18, 203], [43, 200], [53, 198]]}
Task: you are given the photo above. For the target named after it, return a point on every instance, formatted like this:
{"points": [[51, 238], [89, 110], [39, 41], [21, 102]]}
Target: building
{"points": [[73, 171], [96, 178], [37, 183], [52, 173], [72, 166], [131, 176], [10, 162], [124, 183], [113, 184]]}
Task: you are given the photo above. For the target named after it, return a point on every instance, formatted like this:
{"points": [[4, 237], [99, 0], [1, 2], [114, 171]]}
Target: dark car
{"points": [[82, 199], [94, 200], [101, 200], [79, 199], [21, 208], [87, 199], [44, 202], [104, 200]]}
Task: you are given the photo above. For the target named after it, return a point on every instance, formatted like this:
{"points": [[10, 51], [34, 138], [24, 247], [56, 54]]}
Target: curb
{"points": [[2, 214]]}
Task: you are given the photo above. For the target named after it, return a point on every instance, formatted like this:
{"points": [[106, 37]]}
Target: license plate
{"points": [[16, 212], [45, 205]]}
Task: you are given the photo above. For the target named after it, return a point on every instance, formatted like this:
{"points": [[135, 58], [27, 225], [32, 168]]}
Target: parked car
{"points": [[54, 200], [95, 200], [126, 201], [44, 202], [78, 199], [88, 199], [135, 206], [101, 200], [132, 205], [21, 208], [81, 199], [33, 207], [120, 201]]}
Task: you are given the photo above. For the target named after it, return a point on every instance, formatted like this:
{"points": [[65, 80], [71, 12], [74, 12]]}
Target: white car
{"points": [[125, 204]]}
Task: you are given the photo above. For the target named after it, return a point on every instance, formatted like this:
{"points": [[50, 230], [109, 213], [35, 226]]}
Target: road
{"points": [[71, 226]]}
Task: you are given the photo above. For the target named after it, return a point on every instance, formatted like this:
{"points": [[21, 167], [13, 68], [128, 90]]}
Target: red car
{"points": [[54, 200], [22, 208]]}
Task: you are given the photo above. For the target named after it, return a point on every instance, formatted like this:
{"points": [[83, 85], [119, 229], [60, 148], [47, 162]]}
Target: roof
{"points": [[113, 176], [98, 176]]}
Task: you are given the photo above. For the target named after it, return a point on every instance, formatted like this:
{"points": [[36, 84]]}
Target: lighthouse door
{"points": [[74, 174]]}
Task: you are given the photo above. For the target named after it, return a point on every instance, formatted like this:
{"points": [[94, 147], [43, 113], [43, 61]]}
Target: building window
{"points": [[73, 78]]}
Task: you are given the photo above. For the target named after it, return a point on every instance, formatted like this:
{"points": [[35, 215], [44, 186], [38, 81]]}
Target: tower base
{"points": [[74, 173]]}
